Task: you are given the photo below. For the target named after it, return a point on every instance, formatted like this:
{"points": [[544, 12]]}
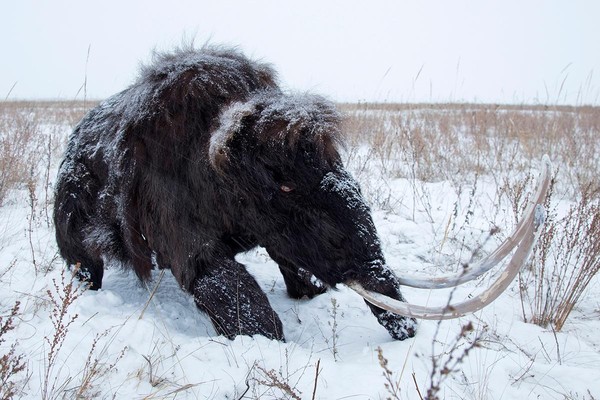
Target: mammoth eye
{"points": [[286, 188]]}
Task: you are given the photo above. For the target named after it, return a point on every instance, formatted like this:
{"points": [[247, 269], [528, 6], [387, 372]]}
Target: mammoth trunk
{"points": [[365, 263], [358, 240]]}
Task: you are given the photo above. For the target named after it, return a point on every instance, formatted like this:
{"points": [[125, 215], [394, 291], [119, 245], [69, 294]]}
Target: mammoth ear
{"points": [[230, 124]]}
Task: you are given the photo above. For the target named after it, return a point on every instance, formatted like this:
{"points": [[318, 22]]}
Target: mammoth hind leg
{"points": [[84, 264], [235, 303], [89, 271]]}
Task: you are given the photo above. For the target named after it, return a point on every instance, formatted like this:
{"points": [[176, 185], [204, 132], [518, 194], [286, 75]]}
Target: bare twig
{"points": [[160, 276], [414, 377], [314, 394]]}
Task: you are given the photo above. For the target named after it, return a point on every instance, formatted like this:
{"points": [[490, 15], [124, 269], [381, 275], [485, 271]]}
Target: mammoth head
{"points": [[278, 154]]}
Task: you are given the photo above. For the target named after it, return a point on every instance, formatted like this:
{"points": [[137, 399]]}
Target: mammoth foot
{"points": [[399, 327], [89, 272], [301, 283], [236, 304]]}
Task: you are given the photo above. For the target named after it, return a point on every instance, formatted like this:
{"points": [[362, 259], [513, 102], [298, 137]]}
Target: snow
{"points": [[161, 346]]}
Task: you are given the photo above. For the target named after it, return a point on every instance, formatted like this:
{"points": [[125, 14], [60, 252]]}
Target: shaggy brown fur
{"points": [[205, 157]]}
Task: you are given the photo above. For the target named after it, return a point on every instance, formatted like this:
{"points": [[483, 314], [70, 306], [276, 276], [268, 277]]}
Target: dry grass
{"points": [[19, 140], [32, 138], [460, 143], [463, 144], [27, 130], [457, 141]]}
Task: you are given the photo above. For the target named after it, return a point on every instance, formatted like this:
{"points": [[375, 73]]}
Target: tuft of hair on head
{"points": [[282, 122], [290, 120], [230, 123]]}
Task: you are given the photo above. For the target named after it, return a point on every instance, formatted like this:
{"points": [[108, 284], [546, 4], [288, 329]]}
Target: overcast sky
{"points": [[510, 51]]}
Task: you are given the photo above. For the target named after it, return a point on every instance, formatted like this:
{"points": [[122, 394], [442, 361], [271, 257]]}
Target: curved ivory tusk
{"points": [[477, 269], [531, 232]]}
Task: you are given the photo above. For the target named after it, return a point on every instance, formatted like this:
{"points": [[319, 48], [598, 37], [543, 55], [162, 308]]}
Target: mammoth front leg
{"points": [[380, 279], [235, 303], [298, 281]]}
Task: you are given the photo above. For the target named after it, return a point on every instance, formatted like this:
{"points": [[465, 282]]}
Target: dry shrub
{"points": [[564, 262], [96, 370], [449, 361], [275, 382], [282, 383], [19, 138], [11, 363], [27, 130], [61, 299], [392, 384]]}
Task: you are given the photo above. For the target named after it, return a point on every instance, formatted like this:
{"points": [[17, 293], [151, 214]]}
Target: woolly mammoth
{"points": [[204, 157]]}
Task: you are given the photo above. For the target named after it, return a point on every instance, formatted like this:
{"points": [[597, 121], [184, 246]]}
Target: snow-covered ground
{"points": [[124, 342]]}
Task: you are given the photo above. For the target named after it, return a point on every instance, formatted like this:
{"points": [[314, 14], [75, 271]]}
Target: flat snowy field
{"points": [[432, 212]]}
